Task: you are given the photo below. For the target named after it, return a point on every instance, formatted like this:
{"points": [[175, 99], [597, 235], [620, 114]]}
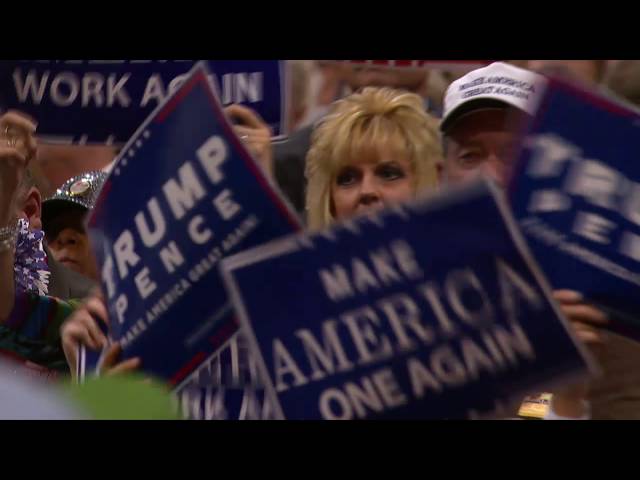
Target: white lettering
{"points": [[153, 91], [125, 256], [92, 84], [551, 153], [248, 87], [328, 413], [549, 201], [514, 342], [145, 285], [336, 283], [630, 245], [512, 286], [362, 396], [362, 277], [71, 82], [149, 237], [285, 364], [410, 318], [405, 258], [431, 293], [200, 237], [107, 276], [117, 91], [176, 83], [421, 378], [447, 367], [459, 280], [388, 388], [593, 227], [595, 181], [30, 87], [382, 264], [359, 323], [475, 359], [331, 348], [631, 206], [121, 307], [212, 155], [171, 257], [225, 205], [184, 195]]}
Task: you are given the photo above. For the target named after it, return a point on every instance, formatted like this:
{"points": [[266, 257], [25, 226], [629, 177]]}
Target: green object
{"points": [[128, 397]]}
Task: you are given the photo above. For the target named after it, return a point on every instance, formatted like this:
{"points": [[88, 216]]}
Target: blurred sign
{"points": [[223, 403], [576, 195], [183, 194], [104, 101], [430, 310]]}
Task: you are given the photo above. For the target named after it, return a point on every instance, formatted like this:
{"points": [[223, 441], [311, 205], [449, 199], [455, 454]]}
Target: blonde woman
{"points": [[376, 147]]}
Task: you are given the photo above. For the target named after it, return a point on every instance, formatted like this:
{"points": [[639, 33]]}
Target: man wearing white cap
{"points": [[482, 114]]}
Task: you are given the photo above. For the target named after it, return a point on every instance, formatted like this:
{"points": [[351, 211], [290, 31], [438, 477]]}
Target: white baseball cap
{"points": [[498, 85]]}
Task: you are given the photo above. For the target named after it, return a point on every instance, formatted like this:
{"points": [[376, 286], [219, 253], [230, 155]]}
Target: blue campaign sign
{"points": [[183, 194], [222, 403], [87, 363], [428, 310], [88, 360], [104, 101], [231, 366], [576, 195]]}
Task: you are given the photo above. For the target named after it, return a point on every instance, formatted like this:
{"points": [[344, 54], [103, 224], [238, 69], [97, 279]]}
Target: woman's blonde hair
{"points": [[366, 121]]}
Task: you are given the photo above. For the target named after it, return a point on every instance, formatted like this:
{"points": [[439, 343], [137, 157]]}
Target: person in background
{"points": [[71, 281], [591, 72], [375, 147], [63, 220], [358, 76], [30, 316], [323, 88], [480, 134], [300, 80], [623, 79], [37, 293], [289, 155], [254, 133], [64, 283]]}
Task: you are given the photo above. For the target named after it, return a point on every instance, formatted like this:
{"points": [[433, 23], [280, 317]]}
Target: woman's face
{"points": [[69, 243], [370, 182]]}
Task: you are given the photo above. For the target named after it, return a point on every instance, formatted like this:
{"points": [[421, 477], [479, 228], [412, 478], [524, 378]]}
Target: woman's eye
{"points": [[390, 172], [346, 177]]}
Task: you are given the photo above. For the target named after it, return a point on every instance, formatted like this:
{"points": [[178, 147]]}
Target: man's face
{"points": [[483, 142], [69, 243]]}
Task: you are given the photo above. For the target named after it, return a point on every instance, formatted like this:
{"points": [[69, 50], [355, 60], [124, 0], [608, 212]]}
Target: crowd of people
{"points": [[373, 137]]}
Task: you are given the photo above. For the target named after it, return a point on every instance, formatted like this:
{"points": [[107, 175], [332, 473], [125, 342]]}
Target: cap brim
{"points": [[474, 105], [55, 206]]}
